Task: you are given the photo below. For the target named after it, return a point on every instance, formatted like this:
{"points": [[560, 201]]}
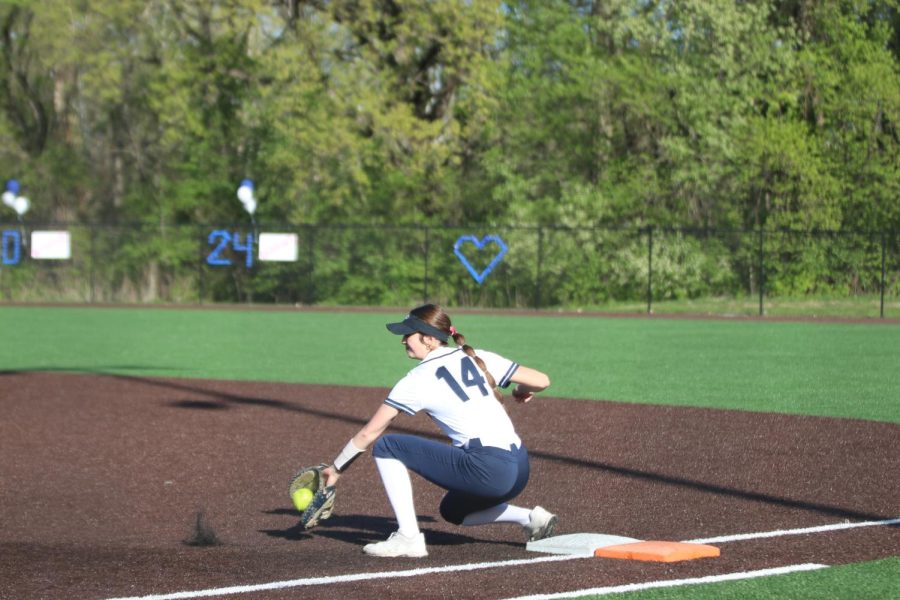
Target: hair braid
{"points": [[460, 340]]}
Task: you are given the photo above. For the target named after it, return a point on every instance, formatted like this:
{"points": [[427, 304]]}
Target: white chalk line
{"points": [[244, 589], [635, 587], [801, 531]]}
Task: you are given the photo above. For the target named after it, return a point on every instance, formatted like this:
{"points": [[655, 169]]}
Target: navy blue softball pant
{"points": [[476, 478]]}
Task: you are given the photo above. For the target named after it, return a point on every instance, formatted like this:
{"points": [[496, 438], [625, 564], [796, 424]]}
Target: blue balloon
{"points": [[247, 183], [12, 186]]}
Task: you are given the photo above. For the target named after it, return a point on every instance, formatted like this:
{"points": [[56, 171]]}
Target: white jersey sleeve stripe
{"points": [[400, 407], [504, 381]]}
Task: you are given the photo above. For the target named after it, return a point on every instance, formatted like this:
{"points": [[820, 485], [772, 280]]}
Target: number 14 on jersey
{"points": [[469, 374]]}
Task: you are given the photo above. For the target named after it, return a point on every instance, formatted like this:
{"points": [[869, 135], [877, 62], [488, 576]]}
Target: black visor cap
{"points": [[413, 324]]}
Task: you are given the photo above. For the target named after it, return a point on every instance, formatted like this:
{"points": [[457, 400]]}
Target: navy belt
{"points": [[475, 443]]}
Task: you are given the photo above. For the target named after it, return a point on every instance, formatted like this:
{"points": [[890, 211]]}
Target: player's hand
{"points": [[331, 475], [521, 395]]}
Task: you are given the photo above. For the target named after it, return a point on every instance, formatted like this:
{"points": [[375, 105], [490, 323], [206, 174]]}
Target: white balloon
{"points": [[9, 199], [250, 205], [245, 194], [21, 205]]}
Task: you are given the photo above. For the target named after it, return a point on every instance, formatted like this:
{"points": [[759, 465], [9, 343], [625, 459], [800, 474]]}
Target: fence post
{"points": [[540, 264], [93, 259], [200, 282], [883, 253], [311, 256], [425, 283], [762, 272], [650, 269]]}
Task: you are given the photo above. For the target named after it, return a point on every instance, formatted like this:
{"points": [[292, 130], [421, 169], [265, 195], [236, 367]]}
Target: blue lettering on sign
{"points": [[222, 240], [11, 247], [479, 244], [246, 248], [214, 257]]}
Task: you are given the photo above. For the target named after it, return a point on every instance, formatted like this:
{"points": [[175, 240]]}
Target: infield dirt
{"points": [[103, 478]]}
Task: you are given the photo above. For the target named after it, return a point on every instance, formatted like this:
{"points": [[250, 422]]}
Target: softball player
{"points": [[485, 466]]}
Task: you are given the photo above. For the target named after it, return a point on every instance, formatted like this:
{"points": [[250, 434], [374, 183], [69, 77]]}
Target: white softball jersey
{"points": [[448, 385]]}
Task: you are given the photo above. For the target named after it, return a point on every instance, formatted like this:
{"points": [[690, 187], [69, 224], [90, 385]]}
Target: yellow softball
{"points": [[301, 498]]}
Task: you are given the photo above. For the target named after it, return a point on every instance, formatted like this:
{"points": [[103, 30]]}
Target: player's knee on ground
{"points": [[452, 511]]}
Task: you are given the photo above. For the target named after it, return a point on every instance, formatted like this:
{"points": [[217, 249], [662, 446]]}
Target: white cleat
{"points": [[398, 545], [540, 525]]}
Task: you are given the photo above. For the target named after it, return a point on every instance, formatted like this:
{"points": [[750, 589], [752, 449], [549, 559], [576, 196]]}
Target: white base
{"points": [[581, 544]]}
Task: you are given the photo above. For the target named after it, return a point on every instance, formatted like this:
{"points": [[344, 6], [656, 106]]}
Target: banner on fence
{"points": [[281, 247], [51, 245]]}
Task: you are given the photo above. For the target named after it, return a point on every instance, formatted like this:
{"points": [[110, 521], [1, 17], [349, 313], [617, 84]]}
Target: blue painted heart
{"points": [[479, 245]]}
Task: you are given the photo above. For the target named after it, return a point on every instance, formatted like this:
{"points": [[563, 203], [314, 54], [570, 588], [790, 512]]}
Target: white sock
{"points": [[502, 513], [396, 482]]}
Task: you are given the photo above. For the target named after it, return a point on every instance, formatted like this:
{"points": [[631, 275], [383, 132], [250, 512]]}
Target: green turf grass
{"points": [[874, 580], [847, 370]]}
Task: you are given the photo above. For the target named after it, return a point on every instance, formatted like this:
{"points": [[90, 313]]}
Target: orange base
{"points": [[658, 551]]}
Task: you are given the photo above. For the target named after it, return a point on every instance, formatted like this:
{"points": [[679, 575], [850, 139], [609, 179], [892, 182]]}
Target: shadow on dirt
{"points": [[364, 529]]}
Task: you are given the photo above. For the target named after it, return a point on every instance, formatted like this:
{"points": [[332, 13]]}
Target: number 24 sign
{"points": [[223, 240]]}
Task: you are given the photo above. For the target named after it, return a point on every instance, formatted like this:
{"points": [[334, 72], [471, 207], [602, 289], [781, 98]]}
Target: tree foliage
{"points": [[780, 114]]}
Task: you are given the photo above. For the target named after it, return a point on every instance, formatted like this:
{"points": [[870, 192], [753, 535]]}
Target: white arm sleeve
{"points": [[347, 456]]}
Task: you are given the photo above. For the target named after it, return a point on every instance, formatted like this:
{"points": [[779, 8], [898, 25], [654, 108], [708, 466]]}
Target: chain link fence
{"points": [[487, 267]]}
